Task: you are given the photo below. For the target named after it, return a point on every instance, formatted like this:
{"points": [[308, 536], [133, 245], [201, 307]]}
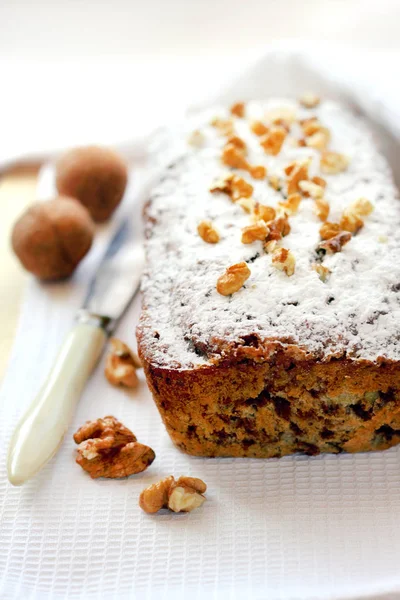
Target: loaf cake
{"points": [[270, 321]]}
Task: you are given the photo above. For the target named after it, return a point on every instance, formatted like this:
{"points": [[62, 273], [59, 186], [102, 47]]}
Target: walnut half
{"points": [[233, 279], [121, 365], [181, 495], [109, 449]]}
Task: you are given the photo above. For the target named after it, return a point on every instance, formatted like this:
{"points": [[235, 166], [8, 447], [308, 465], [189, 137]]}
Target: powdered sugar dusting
{"points": [[355, 313]]}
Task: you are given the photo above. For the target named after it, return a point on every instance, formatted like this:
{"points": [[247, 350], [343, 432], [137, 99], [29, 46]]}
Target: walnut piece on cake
{"points": [[256, 231], [333, 162], [234, 186], [238, 109], [273, 140], [309, 100], [284, 260], [297, 174], [321, 209], [334, 244], [207, 232], [233, 279]]}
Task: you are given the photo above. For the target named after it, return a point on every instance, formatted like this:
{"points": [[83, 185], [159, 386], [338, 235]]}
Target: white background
{"points": [[81, 71], [133, 28]]}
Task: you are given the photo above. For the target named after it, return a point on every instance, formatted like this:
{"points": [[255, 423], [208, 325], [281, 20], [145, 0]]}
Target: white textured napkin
{"points": [[297, 527]]}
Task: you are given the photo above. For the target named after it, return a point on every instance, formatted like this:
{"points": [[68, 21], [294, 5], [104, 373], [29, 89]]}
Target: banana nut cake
{"points": [[270, 321]]}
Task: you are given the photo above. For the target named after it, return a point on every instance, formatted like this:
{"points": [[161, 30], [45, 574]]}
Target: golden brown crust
{"points": [[279, 406]]}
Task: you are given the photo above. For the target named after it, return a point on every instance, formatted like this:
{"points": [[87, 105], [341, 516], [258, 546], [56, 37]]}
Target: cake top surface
{"points": [[350, 308]]}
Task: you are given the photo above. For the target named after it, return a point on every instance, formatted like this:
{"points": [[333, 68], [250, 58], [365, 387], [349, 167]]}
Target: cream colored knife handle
{"points": [[41, 430]]}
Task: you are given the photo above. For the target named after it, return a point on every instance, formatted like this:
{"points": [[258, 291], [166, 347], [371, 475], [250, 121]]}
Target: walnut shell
{"points": [[51, 238], [95, 176]]}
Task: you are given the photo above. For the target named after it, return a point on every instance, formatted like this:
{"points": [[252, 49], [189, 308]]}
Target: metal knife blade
{"points": [[117, 278]]}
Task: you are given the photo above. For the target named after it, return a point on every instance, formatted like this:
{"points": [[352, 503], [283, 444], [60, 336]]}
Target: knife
{"points": [[40, 431]]}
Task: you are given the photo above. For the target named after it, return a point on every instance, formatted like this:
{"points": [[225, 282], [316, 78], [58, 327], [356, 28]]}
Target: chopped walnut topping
{"points": [[319, 181], [233, 157], [351, 218], [299, 173], [283, 113], [259, 128], [284, 260], [333, 162], [241, 188], [270, 246], [224, 126], [257, 231], [362, 207], [238, 142], [329, 230], [319, 140], [275, 182], [258, 172], [247, 204], [291, 205], [311, 189], [335, 244], [290, 167], [278, 228], [196, 139], [233, 279], [309, 100], [282, 123], [351, 221], [266, 213], [321, 208], [310, 126], [323, 272], [238, 109], [207, 232], [235, 187], [273, 140]]}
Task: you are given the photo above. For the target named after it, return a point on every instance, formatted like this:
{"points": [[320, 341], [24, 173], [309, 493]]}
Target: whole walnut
{"points": [[51, 238], [95, 176]]}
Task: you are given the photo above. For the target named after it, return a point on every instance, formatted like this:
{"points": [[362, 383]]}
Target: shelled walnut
{"points": [[207, 232], [309, 100], [273, 140], [334, 244], [121, 365], [181, 495], [333, 162], [256, 231], [238, 109], [233, 186], [233, 279], [298, 173], [284, 260], [109, 449]]}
